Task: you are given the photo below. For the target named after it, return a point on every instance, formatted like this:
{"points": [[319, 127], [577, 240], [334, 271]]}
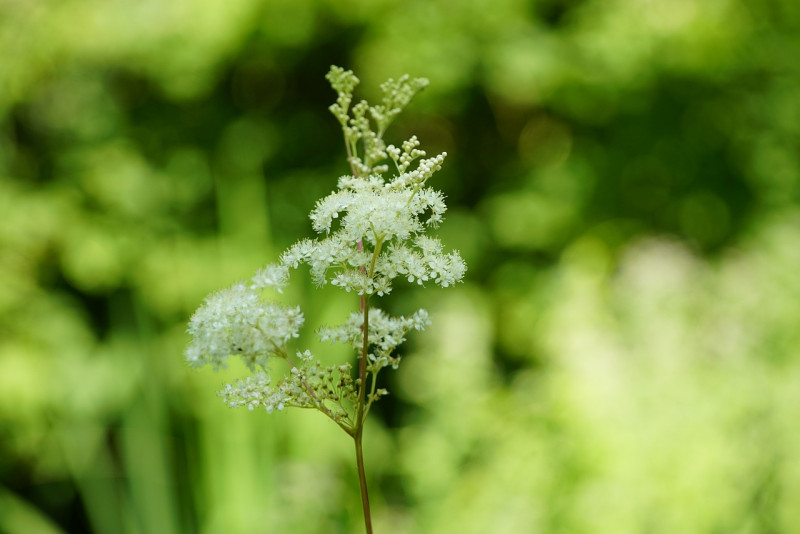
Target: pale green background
{"points": [[623, 178]]}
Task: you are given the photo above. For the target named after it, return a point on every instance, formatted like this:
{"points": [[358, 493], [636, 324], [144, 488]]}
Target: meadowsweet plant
{"points": [[373, 230]]}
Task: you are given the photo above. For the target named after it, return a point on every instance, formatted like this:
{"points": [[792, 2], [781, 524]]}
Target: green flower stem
{"points": [[376, 253], [362, 479], [359, 428], [351, 152], [372, 388]]}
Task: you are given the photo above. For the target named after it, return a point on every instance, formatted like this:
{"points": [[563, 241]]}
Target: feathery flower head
{"points": [[372, 230]]}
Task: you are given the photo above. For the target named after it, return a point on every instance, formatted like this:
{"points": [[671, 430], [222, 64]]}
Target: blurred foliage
{"points": [[624, 178]]}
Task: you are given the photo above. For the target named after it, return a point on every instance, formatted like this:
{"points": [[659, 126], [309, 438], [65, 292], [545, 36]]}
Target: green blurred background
{"points": [[623, 181]]}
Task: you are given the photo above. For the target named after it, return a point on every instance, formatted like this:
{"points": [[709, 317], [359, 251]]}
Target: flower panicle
{"points": [[373, 230]]}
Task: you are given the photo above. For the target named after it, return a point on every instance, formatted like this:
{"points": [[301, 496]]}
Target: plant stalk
{"points": [[359, 423], [362, 480]]}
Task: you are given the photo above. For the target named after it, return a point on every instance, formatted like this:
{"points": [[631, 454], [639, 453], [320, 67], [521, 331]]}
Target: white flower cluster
{"points": [[373, 231], [256, 391], [386, 333], [274, 276], [379, 230], [309, 385], [237, 321], [379, 234]]}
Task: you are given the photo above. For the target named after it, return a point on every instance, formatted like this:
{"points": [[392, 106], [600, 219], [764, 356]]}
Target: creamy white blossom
{"points": [[385, 332], [253, 392], [372, 230], [275, 276], [236, 321]]}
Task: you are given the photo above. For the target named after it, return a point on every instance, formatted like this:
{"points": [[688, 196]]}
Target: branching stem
{"points": [[320, 403]]}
